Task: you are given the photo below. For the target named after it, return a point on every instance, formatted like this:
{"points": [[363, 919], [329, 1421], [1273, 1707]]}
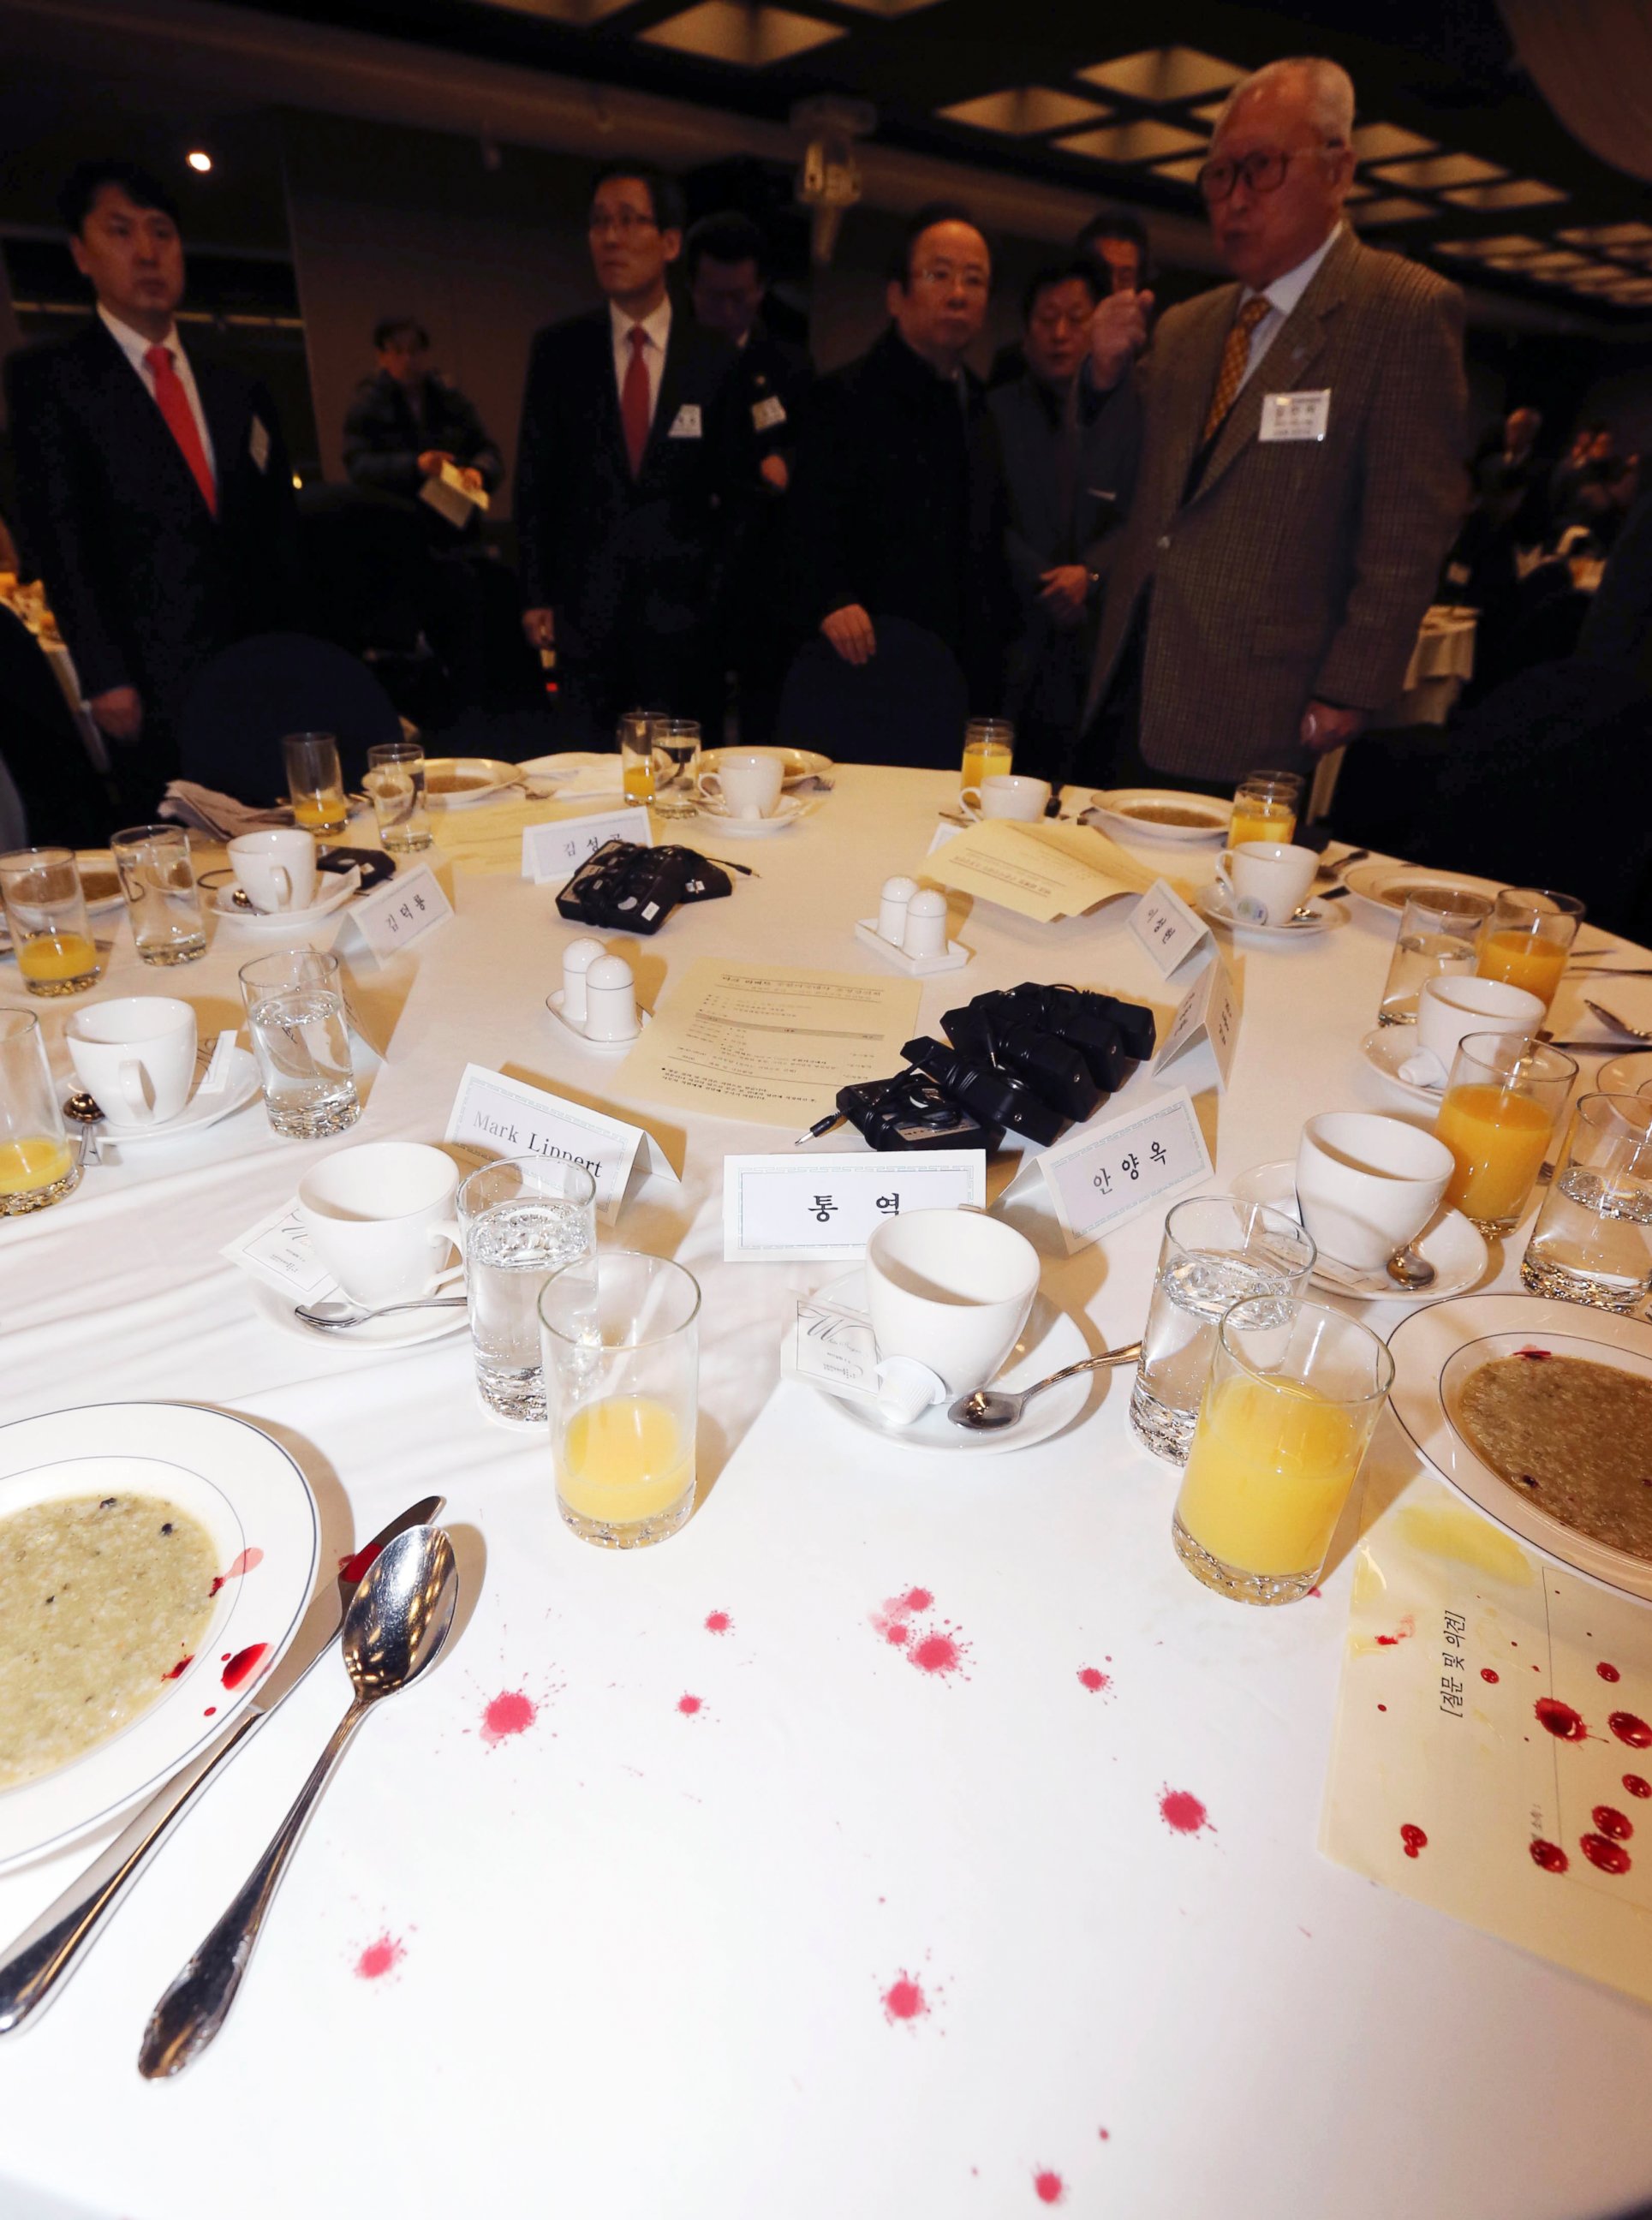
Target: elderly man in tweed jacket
{"points": [[1301, 475]]}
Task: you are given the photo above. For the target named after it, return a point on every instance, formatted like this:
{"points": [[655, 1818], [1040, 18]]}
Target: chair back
{"points": [[252, 695], [908, 705]]}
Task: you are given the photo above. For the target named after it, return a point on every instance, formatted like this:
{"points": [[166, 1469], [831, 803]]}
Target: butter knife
{"points": [[44, 1955]]}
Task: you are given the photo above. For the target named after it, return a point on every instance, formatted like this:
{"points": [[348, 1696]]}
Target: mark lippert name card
{"points": [[778, 1209], [397, 913], [1203, 1034], [1168, 928], [1105, 1173], [494, 1116], [556, 849]]}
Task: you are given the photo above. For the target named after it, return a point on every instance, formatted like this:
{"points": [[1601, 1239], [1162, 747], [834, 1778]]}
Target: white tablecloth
{"points": [[638, 1961]]}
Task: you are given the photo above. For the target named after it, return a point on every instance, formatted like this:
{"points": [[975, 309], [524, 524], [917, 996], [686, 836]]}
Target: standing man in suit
{"points": [[628, 477], [154, 489], [1300, 476]]}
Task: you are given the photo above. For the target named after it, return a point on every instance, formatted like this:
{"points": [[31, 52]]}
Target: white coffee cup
{"points": [[747, 781], [1006, 794], [276, 868], [1265, 879], [1453, 1004], [950, 1289], [136, 1054], [380, 1217], [1368, 1185]]}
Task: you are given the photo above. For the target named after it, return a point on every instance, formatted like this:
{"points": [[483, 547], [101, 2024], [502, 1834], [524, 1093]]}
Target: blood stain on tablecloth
{"points": [[904, 1999], [1605, 1856], [243, 1664], [1561, 1721], [717, 1622], [1608, 1672], [512, 1711], [238, 1569], [1627, 1727], [1414, 1840], [1048, 2187], [689, 1705], [1183, 1812], [1614, 1823], [1106, 2134], [1407, 1628], [1636, 1785], [1550, 1856], [380, 1957], [937, 1652], [1092, 1677]]}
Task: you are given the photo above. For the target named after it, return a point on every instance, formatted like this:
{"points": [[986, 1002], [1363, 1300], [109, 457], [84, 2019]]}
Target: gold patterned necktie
{"points": [[1236, 354]]}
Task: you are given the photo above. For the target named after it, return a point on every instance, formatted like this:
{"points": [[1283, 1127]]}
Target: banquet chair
{"points": [[250, 696], [63, 799], [908, 705]]}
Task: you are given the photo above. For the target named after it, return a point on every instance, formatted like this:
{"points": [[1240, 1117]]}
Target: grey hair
{"points": [[1330, 91]]}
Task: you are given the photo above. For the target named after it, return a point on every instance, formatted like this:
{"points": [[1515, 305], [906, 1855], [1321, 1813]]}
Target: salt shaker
{"points": [[610, 1001], [577, 960], [892, 909], [925, 923]]}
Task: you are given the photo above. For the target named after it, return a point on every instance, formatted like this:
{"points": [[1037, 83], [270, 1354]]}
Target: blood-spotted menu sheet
{"points": [[771, 1046]]}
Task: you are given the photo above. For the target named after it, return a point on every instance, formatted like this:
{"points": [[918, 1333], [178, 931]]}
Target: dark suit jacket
{"points": [[620, 558], [1295, 569], [897, 503], [384, 434], [1045, 528], [145, 582]]}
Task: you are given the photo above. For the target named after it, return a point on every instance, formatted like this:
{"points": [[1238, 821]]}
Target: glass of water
{"points": [[396, 786], [522, 1219], [1216, 1251], [1437, 936], [1592, 1241], [675, 742], [162, 900], [296, 1017]]}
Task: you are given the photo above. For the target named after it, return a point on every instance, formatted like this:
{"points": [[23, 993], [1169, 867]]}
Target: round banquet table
{"points": [[848, 1936]]}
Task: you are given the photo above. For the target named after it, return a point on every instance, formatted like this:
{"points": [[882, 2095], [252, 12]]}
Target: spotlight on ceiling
{"points": [[199, 160]]}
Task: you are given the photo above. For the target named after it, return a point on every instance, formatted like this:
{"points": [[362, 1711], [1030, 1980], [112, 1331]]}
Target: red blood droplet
{"points": [[210, 1712], [511, 1713], [247, 1562], [1104, 2134], [1627, 1727], [1313, 1592], [1183, 1812], [1537, 1355], [244, 1662], [687, 1705], [1486, 1673], [1090, 1678], [1413, 1838], [380, 1958], [896, 1634], [1613, 1823], [1382, 1707], [1608, 1672], [181, 1667], [1636, 1785], [354, 1569], [904, 1999], [1049, 2188], [1561, 1721], [717, 1622], [1548, 1856], [936, 1653], [1607, 1857], [915, 1600]]}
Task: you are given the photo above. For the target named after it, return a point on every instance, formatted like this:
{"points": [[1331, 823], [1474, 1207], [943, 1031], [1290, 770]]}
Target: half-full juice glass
{"points": [[1504, 1099], [1265, 806], [1295, 1393], [46, 910], [620, 1337], [1528, 938], [37, 1165]]}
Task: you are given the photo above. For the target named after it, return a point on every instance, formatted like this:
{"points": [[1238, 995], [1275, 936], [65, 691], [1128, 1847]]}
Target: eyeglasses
{"points": [[625, 223], [941, 274], [1261, 172]]}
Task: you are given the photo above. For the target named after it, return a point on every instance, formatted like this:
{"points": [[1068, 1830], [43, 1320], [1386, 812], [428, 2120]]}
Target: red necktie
{"points": [[174, 405], [633, 399]]}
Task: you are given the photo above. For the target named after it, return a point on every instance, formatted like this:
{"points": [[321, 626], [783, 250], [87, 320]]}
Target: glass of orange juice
{"points": [[38, 1165], [1265, 805], [1294, 1393], [636, 756], [315, 782], [1528, 938], [46, 910], [620, 1337], [989, 750], [1504, 1098]]}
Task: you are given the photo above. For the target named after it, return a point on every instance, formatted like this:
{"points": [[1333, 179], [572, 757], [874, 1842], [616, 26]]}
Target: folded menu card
{"points": [[1040, 872]]}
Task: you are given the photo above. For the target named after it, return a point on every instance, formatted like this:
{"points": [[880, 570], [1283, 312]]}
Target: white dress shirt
{"points": [[657, 325], [134, 346], [1281, 298]]}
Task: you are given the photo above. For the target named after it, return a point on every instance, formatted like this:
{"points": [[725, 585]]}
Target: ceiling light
{"points": [[1162, 73], [1395, 209], [748, 37], [1185, 171], [1611, 235], [1518, 192], [1029, 109], [1435, 170], [199, 160], [1384, 142], [1131, 142]]}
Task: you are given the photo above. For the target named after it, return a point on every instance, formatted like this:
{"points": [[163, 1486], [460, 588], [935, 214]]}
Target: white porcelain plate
{"points": [[407, 1330], [200, 1110], [460, 782], [1133, 813], [1051, 1340], [346, 886], [1383, 890], [1435, 1351], [1385, 1049], [256, 1505], [1455, 1248], [1322, 917]]}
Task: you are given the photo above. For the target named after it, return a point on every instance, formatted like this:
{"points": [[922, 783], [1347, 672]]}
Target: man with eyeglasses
{"points": [[629, 466], [897, 504], [1301, 477]]}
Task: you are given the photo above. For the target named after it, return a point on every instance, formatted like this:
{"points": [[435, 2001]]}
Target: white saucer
{"points": [[1118, 812], [240, 1088], [1051, 1340], [1322, 917], [1385, 1051], [916, 967], [572, 1034], [1453, 1247], [801, 763], [405, 1331], [789, 810], [290, 920]]}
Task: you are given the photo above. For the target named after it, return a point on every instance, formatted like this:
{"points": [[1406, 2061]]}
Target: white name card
{"points": [[557, 850], [395, 916], [1203, 1034], [1167, 928], [777, 1209], [494, 1116], [1104, 1173]]}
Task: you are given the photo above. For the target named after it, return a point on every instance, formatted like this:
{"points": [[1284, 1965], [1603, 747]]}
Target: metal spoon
{"points": [[1408, 1268], [88, 1113], [394, 1629], [327, 1317], [1618, 1024], [986, 1409]]}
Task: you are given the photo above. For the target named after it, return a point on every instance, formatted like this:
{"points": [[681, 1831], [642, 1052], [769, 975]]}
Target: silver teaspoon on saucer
{"points": [[329, 1316], [393, 1631], [988, 1410]]}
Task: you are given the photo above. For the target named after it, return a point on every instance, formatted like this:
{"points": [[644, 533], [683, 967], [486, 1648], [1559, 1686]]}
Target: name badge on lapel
{"points": [[767, 413], [1296, 415], [685, 425], [258, 445]]}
